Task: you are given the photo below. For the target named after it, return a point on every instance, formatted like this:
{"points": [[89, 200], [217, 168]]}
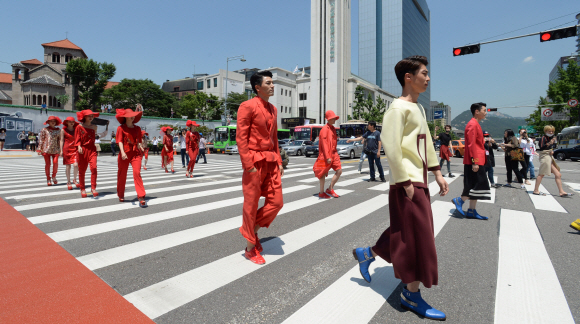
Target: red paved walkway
{"points": [[40, 282]]}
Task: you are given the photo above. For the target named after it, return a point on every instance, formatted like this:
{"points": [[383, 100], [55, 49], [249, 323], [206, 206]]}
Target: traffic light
{"points": [[491, 109], [558, 34], [470, 49]]}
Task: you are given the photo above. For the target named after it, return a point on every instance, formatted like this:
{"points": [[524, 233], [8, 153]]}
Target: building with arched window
{"points": [[34, 83]]}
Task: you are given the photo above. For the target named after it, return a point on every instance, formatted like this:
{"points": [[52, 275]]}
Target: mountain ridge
{"points": [[495, 122]]}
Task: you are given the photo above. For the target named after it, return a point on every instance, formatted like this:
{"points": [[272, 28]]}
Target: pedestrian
{"points": [[22, 137], [68, 151], [202, 148], [363, 156], [511, 144], [531, 161], [103, 109], [139, 108], [328, 157], [171, 113], [2, 138], [257, 139], [49, 147], [130, 152], [113, 142], [85, 142], [167, 152], [444, 150], [526, 145], [32, 141], [145, 145], [109, 108], [547, 163], [155, 147], [284, 157], [490, 146], [183, 150], [98, 144], [192, 146], [409, 242], [373, 148]]}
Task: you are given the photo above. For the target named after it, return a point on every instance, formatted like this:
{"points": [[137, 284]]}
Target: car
{"points": [[232, 149], [176, 144], [437, 144], [572, 153], [311, 150], [296, 147], [350, 150], [458, 147]]}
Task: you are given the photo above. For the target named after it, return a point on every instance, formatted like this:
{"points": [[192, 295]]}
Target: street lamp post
{"points": [[241, 58]]}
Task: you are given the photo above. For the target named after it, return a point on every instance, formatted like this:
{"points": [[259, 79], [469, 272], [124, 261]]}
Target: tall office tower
{"points": [[329, 58], [390, 30], [578, 39]]}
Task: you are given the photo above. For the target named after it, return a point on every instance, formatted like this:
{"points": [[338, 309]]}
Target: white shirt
{"points": [[202, 143], [526, 145], [97, 141], [155, 142], [182, 140]]}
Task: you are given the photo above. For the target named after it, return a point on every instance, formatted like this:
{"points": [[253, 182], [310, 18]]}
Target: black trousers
{"points": [[155, 149], [525, 163], [512, 166]]}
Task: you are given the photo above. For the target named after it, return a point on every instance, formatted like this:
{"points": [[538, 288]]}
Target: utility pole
{"points": [[241, 58]]}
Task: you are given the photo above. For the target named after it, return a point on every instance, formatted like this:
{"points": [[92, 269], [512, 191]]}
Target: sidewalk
{"points": [[17, 154], [42, 283]]}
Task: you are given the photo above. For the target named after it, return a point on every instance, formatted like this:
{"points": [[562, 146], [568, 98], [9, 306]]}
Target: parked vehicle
{"points": [[572, 153], [458, 147], [437, 144], [350, 150], [232, 149], [296, 147], [311, 150]]}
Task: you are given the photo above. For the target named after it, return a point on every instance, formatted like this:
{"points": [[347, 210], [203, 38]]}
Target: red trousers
{"points": [[134, 159], [89, 157], [265, 182], [192, 156], [47, 158]]}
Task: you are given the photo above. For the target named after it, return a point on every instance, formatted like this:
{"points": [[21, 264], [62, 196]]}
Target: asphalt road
{"points": [[180, 260]]}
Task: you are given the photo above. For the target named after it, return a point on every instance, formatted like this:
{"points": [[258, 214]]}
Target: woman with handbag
{"points": [[513, 154], [547, 163], [525, 144]]}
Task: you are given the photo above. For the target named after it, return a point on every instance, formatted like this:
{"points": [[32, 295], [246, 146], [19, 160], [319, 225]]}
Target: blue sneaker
{"points": [[415, 303], [458, 205], [472, 213], [364, 256]]}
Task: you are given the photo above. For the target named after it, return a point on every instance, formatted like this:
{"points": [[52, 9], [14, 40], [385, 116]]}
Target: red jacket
{"points": [[257, 133], [327, 142], [192, 140], [474, 149], [130, 137]]}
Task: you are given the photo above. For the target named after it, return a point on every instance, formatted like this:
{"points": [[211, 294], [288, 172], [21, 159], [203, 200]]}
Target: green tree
{"points": [[90, 78], [63, 99], [377, 111], [234, 102], [130, 92], [359, 106]]}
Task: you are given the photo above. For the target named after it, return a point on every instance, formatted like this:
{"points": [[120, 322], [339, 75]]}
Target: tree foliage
{"points": [[90, 78], [234, 101], [201, 104], [130, 92], [63, 99], [364, 108]]}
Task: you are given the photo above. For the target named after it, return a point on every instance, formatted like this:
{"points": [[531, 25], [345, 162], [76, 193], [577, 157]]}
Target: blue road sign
{"points": [[438, 114]]}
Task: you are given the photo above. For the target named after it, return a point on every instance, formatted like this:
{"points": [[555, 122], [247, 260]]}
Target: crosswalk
{"points": [[216, 189]]}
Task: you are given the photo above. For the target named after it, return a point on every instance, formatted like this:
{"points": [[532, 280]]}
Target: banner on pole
{"points": [[548, 114]]}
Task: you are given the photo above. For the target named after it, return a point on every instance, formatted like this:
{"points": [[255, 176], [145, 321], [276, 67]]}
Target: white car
{"points": [[233, 149], [176, 144], [296, 147]]}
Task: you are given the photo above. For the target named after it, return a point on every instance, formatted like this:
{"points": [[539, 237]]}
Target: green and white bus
{"points": [[226, 136]]}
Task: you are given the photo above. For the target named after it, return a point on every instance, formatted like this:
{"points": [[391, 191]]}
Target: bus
{"points": [[569, 137], [307, 132], [355, 128], [224, 136], [283, 134]]}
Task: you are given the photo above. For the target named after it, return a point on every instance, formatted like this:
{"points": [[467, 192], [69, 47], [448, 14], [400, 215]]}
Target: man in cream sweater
{"points": [[409, 243]]}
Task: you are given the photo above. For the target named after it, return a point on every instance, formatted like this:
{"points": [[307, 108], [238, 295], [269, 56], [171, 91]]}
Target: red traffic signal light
{"points": [[470, 49], [558, 34], [491, 109]]}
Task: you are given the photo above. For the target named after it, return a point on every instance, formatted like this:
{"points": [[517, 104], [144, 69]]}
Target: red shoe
{"points": [[166, 171], [95, 193], [83, 194], [254, 256], [322, 195], [331, 193], [144, 168], [142, 202], [121, 199], [191, 175], [54, 180], [48, 183], [187, 174], [69, 186], [259, 247], [172, 171], [77, 184]]}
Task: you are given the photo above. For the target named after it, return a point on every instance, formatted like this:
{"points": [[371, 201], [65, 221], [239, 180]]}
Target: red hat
{"points": [[329, 114], [58, 121], [84, 113], [143, 133], [70, 118], [191, 123], [122, 113], [165, 129]]}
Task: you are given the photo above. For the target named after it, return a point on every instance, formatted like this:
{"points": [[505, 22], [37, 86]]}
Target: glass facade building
{"points": [[390, 30]]}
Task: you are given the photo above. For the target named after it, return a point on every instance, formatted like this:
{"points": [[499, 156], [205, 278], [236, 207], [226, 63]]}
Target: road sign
{"points": [[529, 128], [438, 114], [548, 114], [573, 102]]}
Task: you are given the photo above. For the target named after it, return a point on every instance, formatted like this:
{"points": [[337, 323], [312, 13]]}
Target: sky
{"points": [[171, 40]]}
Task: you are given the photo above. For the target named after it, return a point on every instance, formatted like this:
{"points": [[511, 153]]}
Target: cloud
{"points": [[529, 59]]}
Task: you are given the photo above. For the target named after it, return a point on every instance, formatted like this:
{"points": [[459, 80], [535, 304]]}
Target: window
{"points": [[55, 57], [44, 99], [286, 92], [175, 89], [281, 109], [200, 85], [302, 112], [286, 109], [302, 96], [208, 83], [290, 110], [289, 93], [33, 100], [214, 82], [281, 92], [39, 100], [68, 57]]}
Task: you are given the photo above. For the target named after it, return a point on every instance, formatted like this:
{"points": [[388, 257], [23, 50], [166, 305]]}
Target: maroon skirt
{"points": [[409, 243]]}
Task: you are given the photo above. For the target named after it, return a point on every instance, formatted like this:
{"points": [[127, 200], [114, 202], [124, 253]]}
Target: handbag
{"points": [[517, 154], [367, 151]]}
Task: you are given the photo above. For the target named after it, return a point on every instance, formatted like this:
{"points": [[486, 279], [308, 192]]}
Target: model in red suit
{"points": [[192, 145], [68, 151], [475, 183], [144, 137], [167, 152], [130, 152], [257, 141], [328, 155], [87, 151], [49, 147]]}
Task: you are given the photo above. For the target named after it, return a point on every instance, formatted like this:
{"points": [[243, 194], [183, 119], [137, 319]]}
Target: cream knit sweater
{"points": [[408, 143]]}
